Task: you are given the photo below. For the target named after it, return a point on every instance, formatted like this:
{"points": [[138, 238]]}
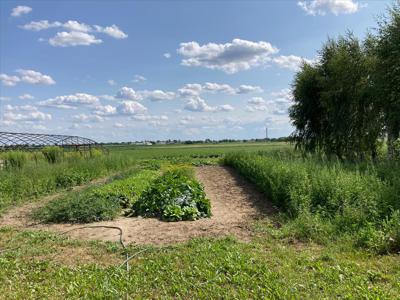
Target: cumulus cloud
{"points": [[321, 7], [291, 62], [142, 117], [105, 110], [27, 76], [232, 57], [157, 95], [20, 10], [245, 89], [167, 55], [24, 113], [26, 97], [9, 80], [87, 118], [197, 104], [131, 108], [73, 38], [112, 31], [76, 34], [34, 77], [127, 93], [71, 101], [118, 125], [195, 89]]}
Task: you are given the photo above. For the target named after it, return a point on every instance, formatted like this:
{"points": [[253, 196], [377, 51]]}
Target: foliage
{"points": [[331, 197], [78, 208], [14, 159], [53, 154], [126, 191], [173, 197]]}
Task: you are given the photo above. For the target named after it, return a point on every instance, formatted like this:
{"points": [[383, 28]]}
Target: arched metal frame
{"points": [[31, 141]]}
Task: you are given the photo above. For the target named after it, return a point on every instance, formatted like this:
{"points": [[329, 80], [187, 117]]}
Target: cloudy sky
{"points": [[126, 70]]}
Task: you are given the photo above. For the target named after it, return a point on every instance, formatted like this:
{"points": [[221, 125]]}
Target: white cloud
{"points": [[291, 62], [139, 78], [186, 120], [40, 25], [20, 10], [26, 97], [118, 125], [24, 113], [71, 101], [112, 31], [256, 104], [105, 110], [76, 34], [4, 99], [142, 117], [128, 94], [76, 26], [321, 7], [216, 88], [27, 76], [231, 57], [245, 89], [73, 38], [197, 104], [131, 108], [195, 89], [256, 101], [87, 118], [9, 80], [167, 55], [107, 97], [34, 77], [157, 95], [111, 82]]}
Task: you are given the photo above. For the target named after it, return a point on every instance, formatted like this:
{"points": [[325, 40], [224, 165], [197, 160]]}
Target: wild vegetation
{"points": [[347, 103]]}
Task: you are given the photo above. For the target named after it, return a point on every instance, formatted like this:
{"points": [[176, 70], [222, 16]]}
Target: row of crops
{"points": [[171, 195], [322, 200]]}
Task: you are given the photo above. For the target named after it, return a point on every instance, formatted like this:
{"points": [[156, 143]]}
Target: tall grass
{"points": [[36, 178], [328, 198]]}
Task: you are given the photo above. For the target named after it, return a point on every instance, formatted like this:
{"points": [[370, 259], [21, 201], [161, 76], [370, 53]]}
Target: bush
{"points": [[53, 154], [173, 197], [78, 208]]}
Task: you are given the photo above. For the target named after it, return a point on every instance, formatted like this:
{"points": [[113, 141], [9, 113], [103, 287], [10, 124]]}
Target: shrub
{"points": [[173, 197], [78, 208], [53, 154]]}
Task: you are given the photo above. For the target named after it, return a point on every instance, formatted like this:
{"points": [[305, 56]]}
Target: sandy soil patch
{"points": [[235, 203]]}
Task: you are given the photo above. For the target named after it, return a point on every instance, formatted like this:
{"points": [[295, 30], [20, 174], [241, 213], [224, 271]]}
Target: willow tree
{"points": [[388, 75]]}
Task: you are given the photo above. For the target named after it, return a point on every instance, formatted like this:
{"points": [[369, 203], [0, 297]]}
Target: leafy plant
{"points": [[15, 159], [173, 197]]}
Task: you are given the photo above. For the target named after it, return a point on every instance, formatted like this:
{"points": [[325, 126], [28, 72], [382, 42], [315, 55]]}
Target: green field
{"points": [[336, 233]]}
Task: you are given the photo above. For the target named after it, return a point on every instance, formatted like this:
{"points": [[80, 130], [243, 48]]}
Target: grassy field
{"points": [[334, 236]]}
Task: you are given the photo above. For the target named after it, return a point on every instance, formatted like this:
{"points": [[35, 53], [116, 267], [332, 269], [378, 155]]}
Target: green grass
{"points": [[201, 269], [98, 203]]}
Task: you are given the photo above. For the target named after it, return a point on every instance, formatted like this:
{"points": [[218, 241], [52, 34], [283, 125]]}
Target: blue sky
{"points": [[126, 70]]}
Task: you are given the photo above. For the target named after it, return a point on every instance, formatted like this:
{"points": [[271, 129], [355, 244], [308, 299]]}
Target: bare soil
{"points": [[235, 203]]}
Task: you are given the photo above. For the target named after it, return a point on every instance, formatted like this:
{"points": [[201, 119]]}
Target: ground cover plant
{"points": [[323, 200], [99, 203], [175, 196]]}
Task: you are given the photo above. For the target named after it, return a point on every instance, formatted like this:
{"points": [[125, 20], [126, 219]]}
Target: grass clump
{"points": [[78, 208], [15, 159], [53, 154], [173, 197], [98, 203]]}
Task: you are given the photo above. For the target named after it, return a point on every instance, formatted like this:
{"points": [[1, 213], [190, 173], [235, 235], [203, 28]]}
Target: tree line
{"points": [[347, 103]]}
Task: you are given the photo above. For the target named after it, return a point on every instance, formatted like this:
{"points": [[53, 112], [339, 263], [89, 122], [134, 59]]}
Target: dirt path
{"points": [[234, 204]]}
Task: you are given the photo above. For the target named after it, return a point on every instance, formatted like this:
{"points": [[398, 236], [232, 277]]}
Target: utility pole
{"points": [[266, 133]]}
